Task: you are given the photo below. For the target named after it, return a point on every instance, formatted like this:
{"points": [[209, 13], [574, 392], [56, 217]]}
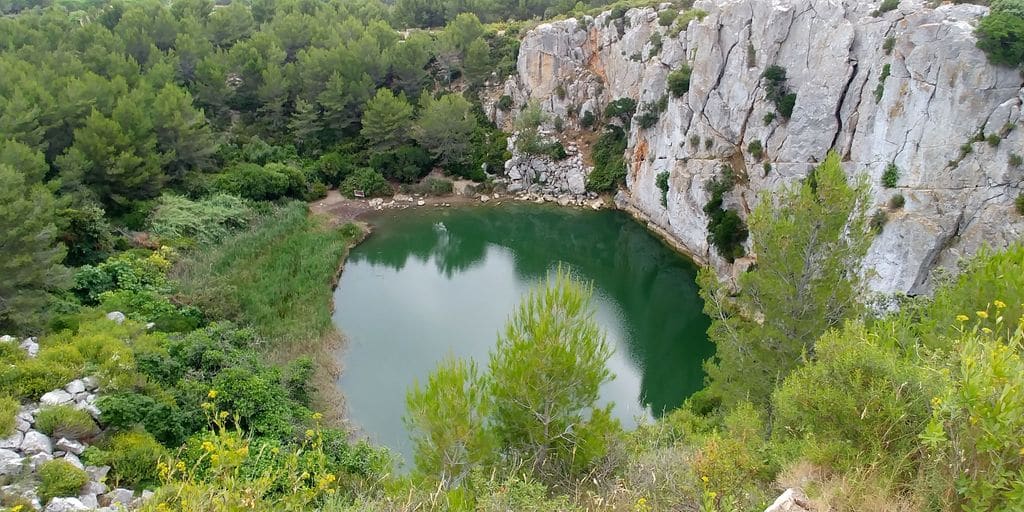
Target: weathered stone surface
{"points": [[117, 496], [65, 505], [13, 442], [74, 387], [89, 500], [793, 500], [70, 446], [56, 397], [97, 473], [116, 316], [30, 346], [10, 462], [36, 442], [940, 93]]}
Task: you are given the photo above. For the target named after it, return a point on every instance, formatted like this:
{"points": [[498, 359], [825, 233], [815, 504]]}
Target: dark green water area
{"points": [[443, 281]]}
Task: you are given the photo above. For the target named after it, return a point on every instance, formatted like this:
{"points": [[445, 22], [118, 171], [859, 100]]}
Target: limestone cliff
{"points": [[940, 93]]}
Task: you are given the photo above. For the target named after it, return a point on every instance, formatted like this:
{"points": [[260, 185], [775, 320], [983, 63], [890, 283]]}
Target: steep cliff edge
{"points": [[925, 117]]}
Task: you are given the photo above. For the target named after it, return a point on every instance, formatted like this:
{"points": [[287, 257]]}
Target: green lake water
{"points": [[434, 282]]}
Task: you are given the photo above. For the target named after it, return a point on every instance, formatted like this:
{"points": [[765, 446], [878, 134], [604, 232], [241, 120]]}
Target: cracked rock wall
{"points": [[939, 95]]}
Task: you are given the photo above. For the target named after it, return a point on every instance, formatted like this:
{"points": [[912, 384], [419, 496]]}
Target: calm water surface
{"points": [[429, 283]]}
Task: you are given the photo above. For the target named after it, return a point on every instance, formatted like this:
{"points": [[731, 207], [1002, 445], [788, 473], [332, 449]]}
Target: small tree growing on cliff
{"points": [[809, 247]]}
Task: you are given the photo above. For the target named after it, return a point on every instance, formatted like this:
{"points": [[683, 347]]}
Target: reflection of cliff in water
{"points": [[653, 287]]}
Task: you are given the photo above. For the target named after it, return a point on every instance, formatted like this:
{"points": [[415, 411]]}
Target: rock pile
{"points": [[24, 451]]}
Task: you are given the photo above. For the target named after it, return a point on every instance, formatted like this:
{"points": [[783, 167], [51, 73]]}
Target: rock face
{"points": [[924, 117], [793, 500]]}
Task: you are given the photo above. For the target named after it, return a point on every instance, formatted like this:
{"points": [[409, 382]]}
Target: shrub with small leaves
{"points": [[1015, 160], [679, 80], [755, 149], [8, 412], [60, 478], [879, 220], [1019, 203], [588, 119], [65, 421], [767, 168], [560, 91], [768, 118], [993, 139], [888, 5], [889, 44], [891, 176], [897, 201], [695, 140], [668, 17], [662, 181], [505, 103]]}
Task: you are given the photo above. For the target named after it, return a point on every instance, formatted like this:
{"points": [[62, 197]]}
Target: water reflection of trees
{"points": [[653, 287]]}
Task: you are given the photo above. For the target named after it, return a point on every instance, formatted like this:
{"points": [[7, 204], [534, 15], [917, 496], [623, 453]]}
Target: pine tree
{"points": [[445, 128], [387, 120], [478, 63], [182, 133], [305, 124], [809, 247]]}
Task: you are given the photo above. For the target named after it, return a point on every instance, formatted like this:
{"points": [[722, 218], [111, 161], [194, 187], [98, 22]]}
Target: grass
{"points": [[277, 276]]}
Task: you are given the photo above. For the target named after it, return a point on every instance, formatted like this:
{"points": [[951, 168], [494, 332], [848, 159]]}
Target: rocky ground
{"points": [[27, 449]]}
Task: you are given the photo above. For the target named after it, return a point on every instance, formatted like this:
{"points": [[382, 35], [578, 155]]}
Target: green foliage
{"points": [[445, 128], [662, 182], [888, 45], [545, 373], [60, 478], [276, 275], [888, 5], [1015, 160], [806, 282], [8, 413], [505, 103], [588, 119], [334, 167], [1001, 37], [405, 163], [367, 182], [263, 183], [667, 17], [126, 271], [1019, 204], [768, 118], [726, 230], [897, 201], [132, 457], [65, 421], [32, 262], [178, 220], [891, 176], [755, 149], [386, 120], [609, 163], [652, 112], [679, 80], [87, 235], [776, 91], [880, 88], [621, 109]]}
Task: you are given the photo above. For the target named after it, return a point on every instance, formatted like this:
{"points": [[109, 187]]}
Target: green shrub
{"points": [[891, 176], [406, 163], [332, 168], [65, 421], [656, 43], [206, 221], [726, 230], [897, 201], [438, 186], [60, 478], [755, 149], [588, 119], [609, 164], [505, 103], [559, 124], [1001, 37], [31, 378], [767, 168], [8, 413], [87, 234], [662, 181], [695, 140], [132, 457], [878, 221], [560, 91], [366, 180], [668, 17], [621, 109], [1015, 160], [1019, 203], [263, 183], [777, 91], [768, 118], [786, 105], [880, 88], [993, 139], [679, 80], [889, 44], [888, 5]]}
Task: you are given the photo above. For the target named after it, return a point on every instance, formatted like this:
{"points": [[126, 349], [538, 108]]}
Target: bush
{"points": [[438, 186], [8, 413], [878, 221], [609, 164], [65, 421], [679, 80], [59, 478], [1001, 37], [132, 457], [889, 44], [888, 5], [880, 88], [263, 183], [621, 109], [588, 119], [786, 105], [1015, 160], [206, 221], [370, 182], [726, 230], [777, 91], [993, 139], [767, 168], [897, 201], [560, 91], [505, 103], [668, 17], [30, 378], [1019, 203], [406, 163], [768, 118], [662, 181], [891, 176], [332, 168], [87, 234], [755, 149]]}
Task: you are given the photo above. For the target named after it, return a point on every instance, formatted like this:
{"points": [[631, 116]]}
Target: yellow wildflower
{"points": [[243, 451], [17, 508], [317, 416], [309, 433], [982, 314], [999, 304], [986, 330], [704, 479], [212, 393], [215, 458], [223, 414], [206, 405], [180, 466], [208, 446], [962, 318]]}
